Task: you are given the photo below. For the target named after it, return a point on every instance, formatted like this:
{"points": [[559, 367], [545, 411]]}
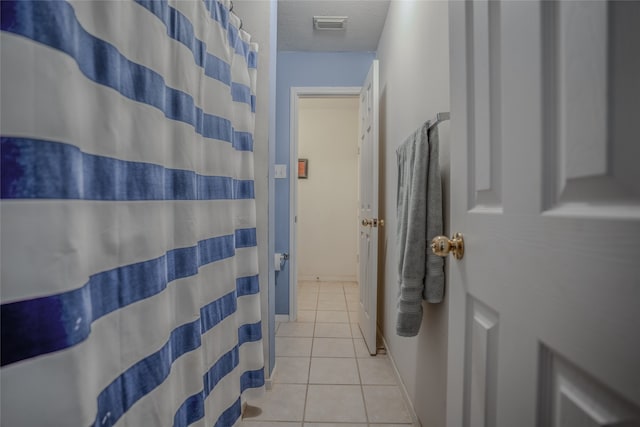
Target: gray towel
{"points": [[420, 272]]}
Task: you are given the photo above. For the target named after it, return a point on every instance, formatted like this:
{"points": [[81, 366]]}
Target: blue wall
{"points": [[306, 69]]}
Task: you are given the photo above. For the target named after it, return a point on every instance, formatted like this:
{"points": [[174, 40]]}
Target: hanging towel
{"points": [[419, 209]]}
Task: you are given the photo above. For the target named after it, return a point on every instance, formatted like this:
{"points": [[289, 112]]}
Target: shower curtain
{"points": [[129, 281]]}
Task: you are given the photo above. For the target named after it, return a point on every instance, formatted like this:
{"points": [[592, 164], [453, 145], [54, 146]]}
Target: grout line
{"points": [[364, 402], [306, 394], [355, 357]]}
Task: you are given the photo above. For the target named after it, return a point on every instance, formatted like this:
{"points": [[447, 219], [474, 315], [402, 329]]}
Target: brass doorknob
{"points": [[442, 246], [373, 222]]}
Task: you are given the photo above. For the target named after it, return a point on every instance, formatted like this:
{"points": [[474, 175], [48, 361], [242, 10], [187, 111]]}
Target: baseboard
{"points": [[403, 388], [282, 318], [321, 278], [268, 383]]}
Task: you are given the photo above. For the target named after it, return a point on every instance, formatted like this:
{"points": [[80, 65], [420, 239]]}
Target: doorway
{"points": [[324, 201]]}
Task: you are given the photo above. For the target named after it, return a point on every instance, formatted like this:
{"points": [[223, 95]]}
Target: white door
{"points": [[544, 310], [368, 212]]}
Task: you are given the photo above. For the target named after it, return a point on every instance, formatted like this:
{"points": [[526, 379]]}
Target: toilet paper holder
{"points": [[279, 260]]}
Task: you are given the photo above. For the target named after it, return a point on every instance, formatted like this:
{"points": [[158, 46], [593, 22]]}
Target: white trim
{"points": [[403, 388], [280, 318], [296, 94], [268, 382]]}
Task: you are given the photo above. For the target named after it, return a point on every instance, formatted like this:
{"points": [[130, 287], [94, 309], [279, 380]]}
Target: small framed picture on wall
{"points": [[303, 168]]}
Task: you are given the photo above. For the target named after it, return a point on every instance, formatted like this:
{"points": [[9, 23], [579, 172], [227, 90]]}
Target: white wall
{"points": [[327, 200], [414, 86]]}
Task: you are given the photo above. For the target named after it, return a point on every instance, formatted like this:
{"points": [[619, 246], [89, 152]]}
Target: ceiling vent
{"points": [[330, 22]]}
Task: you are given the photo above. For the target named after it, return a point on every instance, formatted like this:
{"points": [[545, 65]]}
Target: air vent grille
{"points": [[329, 22]]}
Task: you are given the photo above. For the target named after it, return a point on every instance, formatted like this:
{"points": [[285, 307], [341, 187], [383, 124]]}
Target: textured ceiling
{"points": [[364, 26]]}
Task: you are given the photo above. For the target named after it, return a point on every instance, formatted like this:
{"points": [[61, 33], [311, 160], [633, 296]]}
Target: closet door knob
{"points": [[443, 246], [367, 222]]}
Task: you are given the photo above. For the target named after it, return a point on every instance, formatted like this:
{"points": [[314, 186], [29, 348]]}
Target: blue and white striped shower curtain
{"points": [[128, 244]]}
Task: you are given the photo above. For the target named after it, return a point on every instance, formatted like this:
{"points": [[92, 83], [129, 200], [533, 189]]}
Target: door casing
{"points": [[296, 94]]}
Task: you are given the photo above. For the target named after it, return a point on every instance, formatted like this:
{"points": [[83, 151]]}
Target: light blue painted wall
{"points": [[308, 69]]}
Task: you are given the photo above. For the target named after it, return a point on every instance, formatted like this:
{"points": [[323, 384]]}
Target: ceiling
{"points": [[363, 29]]}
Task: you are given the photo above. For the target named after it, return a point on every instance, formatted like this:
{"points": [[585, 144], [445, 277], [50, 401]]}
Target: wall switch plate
{"points": [[280, 171]]}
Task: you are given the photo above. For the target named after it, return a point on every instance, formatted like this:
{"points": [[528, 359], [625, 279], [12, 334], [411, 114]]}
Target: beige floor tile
{"points": [[355, 331], [335, 403], [331, 298], [332, 317], [284, 402], [353, 316], [331, 292], [353, 305], [247, 423], [306, 316], [332, 306], [330, 370], [377, 371], [385, 404], [332, 347], [331, 287], [352, 298], [307, 304], [295, 329], [332, 330], [307, 295], [290, 346], [334, 425], [308, 284], [391, 425], [361, 348], [292, 370]]}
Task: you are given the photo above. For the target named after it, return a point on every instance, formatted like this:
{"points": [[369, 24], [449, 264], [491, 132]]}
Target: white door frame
{"points": [[296, 94]]}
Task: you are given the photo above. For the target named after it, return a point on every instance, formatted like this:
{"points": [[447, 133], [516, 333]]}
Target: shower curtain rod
{"points": [[440, 117]]}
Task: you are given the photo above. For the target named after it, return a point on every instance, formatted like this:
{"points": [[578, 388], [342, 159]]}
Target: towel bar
{"points": [[440, 117]]}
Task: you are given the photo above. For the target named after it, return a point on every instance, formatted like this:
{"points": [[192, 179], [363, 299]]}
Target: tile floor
{"points": [[324, 374]]}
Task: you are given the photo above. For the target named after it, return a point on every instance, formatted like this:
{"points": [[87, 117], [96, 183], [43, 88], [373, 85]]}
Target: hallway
{"points": [[324, 375]]}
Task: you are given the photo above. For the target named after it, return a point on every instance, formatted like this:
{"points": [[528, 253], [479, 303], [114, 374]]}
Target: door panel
{"points": [[368, 210], [482, 363], [569, 396], [484, 109], [544, 305], [589, 62]]}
